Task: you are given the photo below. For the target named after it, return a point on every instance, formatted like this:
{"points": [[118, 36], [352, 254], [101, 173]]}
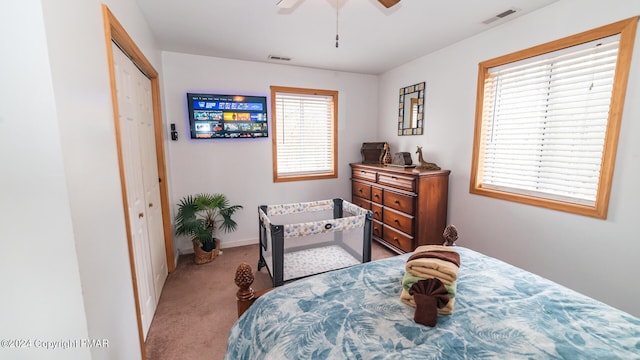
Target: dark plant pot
{"points": [[208, 246]]}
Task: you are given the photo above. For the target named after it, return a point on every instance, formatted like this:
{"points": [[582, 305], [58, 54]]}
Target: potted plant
{"points": [[200, 216]]}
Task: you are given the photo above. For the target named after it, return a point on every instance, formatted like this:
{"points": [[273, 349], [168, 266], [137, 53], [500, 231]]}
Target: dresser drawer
{"points": [[398, 220], [364, 174], [402, 241], [377, 229], [398, 181], [377, 211], [376, 194], [363, 203], [399, 202], [362, 190]]}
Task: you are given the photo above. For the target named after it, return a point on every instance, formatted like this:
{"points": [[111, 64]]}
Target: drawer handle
{"points": [[396, 240], [377, 213], [396, 221], [360, 191], [376, 196], [396, 202]]}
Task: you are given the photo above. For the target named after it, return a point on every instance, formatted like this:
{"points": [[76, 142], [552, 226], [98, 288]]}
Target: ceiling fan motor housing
{"points": [[388, 3]]}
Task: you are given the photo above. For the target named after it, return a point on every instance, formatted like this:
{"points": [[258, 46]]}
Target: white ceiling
{"points": [[373, 39]]}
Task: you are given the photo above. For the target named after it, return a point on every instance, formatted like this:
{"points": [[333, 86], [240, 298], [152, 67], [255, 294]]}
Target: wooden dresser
{"points": [[409, 206]]}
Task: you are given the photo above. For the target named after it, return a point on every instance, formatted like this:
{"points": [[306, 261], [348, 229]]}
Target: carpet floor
{"points": [[198, 305]]}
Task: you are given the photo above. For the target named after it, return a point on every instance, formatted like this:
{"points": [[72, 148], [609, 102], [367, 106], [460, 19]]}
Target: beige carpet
{"points": [[197, 307]]}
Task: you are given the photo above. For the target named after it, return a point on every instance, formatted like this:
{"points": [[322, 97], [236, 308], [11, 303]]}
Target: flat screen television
{"points": [[227, 116]]}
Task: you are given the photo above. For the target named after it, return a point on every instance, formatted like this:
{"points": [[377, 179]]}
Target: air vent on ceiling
{"points": [[280, 58], [502, 15]]}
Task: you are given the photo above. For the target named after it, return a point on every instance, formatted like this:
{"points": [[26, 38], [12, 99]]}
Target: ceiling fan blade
{"points": [[286, 4], [388, 3]]}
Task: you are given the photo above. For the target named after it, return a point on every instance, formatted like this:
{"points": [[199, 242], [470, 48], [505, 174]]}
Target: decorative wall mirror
{"points": [[411, 110]]}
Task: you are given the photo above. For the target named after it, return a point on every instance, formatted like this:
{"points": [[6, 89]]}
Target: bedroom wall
{"points": [[595, 257], [83, 109], [242, 168], [41, 289]]}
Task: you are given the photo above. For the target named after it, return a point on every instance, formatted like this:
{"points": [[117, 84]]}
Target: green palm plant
{"points": [[200, 216]]}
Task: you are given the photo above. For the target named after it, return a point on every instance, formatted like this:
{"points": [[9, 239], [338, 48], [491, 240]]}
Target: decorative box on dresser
{"points": [[409, 205]]}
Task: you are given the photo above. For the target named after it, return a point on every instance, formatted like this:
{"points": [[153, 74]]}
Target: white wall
{"points": [[84, 116], [242, 168], [41, 290], [596, 257]]}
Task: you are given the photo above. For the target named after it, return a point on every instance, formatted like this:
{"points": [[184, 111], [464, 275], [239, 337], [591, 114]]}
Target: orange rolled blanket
{"points": [[432, 262]]}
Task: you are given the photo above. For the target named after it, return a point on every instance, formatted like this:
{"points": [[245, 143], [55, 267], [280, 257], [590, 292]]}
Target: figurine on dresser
{"points": [[423, 165], [387, 155]]}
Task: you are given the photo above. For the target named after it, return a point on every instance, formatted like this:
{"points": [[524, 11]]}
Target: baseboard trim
{"points": [[223, 245], [232, 244]]}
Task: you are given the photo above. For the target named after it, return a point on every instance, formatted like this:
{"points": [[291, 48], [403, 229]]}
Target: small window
{"points": [[304, 133], [548, 118]]}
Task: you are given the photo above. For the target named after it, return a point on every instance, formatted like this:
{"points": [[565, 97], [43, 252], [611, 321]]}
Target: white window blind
{"points": [[304, 134], [544, 123]]}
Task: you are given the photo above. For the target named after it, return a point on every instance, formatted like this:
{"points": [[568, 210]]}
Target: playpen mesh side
{"points": [[314, 241]]}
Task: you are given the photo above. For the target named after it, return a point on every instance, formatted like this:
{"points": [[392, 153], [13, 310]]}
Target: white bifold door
{"points": [[138, 148]]}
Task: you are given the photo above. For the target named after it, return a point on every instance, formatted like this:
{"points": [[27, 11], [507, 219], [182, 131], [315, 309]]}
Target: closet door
{"points": [[143, 197], [151, 186]]}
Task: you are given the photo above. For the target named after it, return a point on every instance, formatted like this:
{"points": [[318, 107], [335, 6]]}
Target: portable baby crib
{"points": [[307, 238]]}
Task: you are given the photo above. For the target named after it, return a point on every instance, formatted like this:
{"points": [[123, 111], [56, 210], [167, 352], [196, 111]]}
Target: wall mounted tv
{"points": [[227, 116]]}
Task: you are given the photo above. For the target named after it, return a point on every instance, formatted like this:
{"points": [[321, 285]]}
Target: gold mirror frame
{"points": [[411, 110]]}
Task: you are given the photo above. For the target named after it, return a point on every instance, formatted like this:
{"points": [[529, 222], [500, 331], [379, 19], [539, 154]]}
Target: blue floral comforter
{"points": [[501, 312]]}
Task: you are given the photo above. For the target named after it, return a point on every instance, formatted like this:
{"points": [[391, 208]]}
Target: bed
{"points": [[501, 312]]}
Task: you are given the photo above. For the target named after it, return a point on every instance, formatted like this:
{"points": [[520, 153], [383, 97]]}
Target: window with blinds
{"points": [[547, 121], [304, 133]]}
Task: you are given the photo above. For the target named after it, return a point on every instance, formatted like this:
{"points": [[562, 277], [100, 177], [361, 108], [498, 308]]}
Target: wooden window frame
{"points": [[627, 31], [274, 139]]}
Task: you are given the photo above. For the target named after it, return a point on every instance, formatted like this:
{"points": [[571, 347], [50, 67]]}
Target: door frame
{"points": [[115, 32]]}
